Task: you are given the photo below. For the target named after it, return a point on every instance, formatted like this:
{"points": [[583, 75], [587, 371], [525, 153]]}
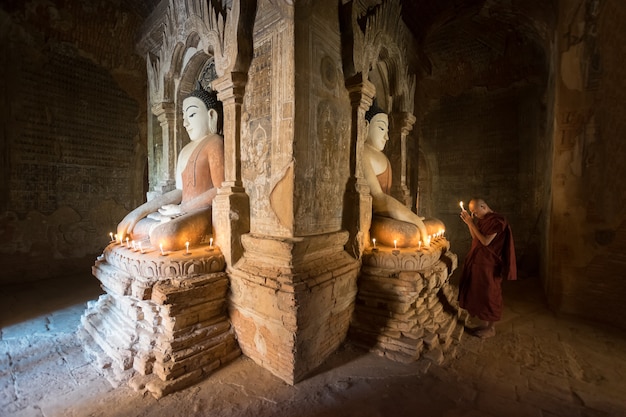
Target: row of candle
{"points": [[429, 239], [130, 244]]}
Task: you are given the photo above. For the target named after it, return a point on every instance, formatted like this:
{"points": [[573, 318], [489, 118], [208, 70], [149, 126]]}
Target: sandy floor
{"points": [[537, 365]]}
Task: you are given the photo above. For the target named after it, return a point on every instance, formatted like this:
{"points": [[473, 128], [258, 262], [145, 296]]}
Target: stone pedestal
{"points": [[162, 324], [405, 307], [292, 300]]}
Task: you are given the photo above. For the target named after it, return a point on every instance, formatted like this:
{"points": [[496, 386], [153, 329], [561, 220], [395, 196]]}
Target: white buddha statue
{"points": [[392, 219], [184, 214]]}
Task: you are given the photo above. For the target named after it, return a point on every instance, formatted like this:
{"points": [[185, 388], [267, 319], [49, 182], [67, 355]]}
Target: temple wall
{"points": [[71, 143], [588, 227], [495, 139]]}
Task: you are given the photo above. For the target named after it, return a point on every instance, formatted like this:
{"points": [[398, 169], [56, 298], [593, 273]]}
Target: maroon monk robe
{"points": [[480, 291]]}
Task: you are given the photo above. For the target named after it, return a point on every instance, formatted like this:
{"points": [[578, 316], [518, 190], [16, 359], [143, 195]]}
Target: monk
{"points": [[184, 214], [490, 259], [377, 173]]}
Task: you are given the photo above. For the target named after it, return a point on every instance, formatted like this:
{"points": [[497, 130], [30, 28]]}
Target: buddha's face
{"points": [[195, 118], [378, 131]]}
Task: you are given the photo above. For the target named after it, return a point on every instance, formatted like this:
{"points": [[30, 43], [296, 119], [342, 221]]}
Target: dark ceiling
{"points": [[427, 17], [440, 26], [531, 19]]}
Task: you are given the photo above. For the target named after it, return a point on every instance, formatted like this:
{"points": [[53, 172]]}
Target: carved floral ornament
{"points": [[192, 26], [377, 38]]}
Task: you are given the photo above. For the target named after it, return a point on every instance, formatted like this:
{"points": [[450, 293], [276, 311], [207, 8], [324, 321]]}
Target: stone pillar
{"points": [[401, 124], [165, 112], [231, 206], [358, 207], [293, 290]]}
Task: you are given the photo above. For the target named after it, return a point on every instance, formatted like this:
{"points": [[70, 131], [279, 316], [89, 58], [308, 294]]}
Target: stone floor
{"points": [[537, 365]]}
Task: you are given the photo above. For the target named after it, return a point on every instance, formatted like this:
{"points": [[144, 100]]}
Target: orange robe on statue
{"points": [[384, 179]]}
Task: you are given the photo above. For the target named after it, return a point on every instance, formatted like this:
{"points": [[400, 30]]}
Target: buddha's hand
{"points": [[170, 210], [127, 225]]}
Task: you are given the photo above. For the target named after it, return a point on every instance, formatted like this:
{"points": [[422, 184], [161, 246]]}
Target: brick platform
{"points": [[163, 321], [405, 307]]}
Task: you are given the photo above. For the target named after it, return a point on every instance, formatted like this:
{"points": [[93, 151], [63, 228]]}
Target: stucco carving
{"points": [[375, 37], [190, 27]]}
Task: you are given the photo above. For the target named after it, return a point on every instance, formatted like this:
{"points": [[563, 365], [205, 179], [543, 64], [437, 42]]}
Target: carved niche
{"points": [[184, 42]]}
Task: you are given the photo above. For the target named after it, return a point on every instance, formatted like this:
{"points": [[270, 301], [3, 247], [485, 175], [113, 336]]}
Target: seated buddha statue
{"points": [[184, 214], [391, 220]]}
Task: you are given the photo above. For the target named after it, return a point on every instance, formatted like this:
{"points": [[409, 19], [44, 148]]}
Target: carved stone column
{"points": [[401, 124], [231, 206], [358, 201], [165, 112]]}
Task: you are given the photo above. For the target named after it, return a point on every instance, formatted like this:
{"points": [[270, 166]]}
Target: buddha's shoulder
{"points": [[213, 141]]}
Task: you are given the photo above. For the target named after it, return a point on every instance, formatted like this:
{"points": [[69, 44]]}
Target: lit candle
{"points": [[461, 205], [111, 234], [419, 245], [187, 247], [140, 247], [116, 238], [374, 241], [395, 244], [127, 245], [161, 247], [133, 245], [211, 242], [428, 241]]}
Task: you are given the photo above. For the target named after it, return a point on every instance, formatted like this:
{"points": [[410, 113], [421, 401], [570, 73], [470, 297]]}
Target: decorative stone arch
{"points": [[374, 40], [175, 43]]}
